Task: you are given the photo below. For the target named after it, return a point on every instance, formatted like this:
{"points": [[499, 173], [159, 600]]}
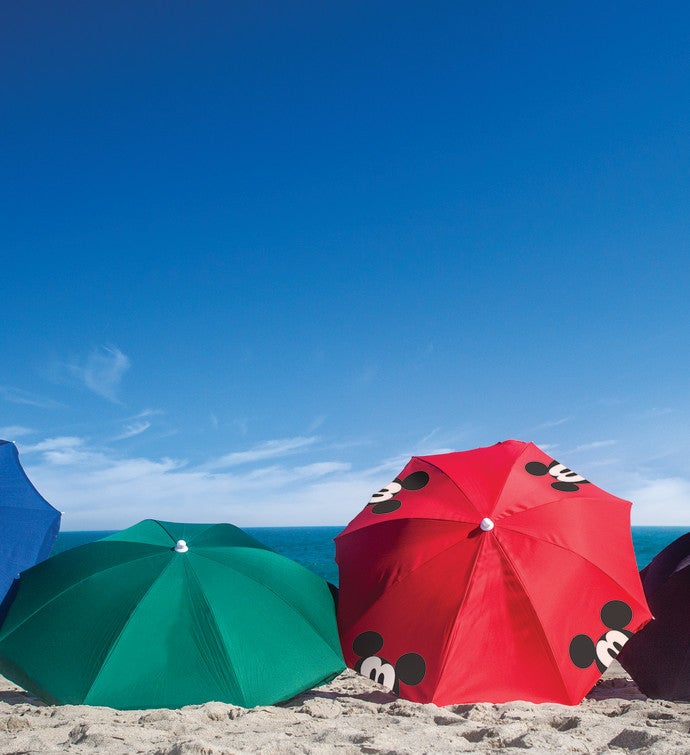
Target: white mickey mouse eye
{"points": [[563, 474], [385, 494], [378, 671]]}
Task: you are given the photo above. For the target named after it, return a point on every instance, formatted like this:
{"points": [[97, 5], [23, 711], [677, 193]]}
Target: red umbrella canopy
{"points": [[488, 575]]}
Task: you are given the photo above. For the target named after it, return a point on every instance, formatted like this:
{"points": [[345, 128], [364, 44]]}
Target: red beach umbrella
{"points": [[489, 575]]}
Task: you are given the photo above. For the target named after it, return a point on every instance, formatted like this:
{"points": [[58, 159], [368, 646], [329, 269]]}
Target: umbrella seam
{"points": [[71, 586], [174, 538], [403, 577], [579, 555], [211, 611], [560, 500], [26, 478], [459, 487], [456, 624], [542, 632], [512, 466], [293, 608], [450, 479], [116, 641], [345, 534], [261, 584]]}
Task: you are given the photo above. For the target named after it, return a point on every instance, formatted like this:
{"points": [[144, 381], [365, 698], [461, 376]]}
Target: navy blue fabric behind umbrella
{"points": [[28, 523], [658, 656]]}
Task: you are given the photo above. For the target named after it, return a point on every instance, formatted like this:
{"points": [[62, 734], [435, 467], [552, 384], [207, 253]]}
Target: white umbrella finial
{"points": [[181, 547]]}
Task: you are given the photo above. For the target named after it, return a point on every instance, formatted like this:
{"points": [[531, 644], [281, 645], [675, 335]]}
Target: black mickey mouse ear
{"points": [[385, 507], [415, 481], [367, 643], [410, 668], [582, 651], [565, 487], [616, 614], [536, 468]]}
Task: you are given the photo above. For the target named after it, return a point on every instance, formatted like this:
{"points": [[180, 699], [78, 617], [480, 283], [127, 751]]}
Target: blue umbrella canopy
{"points": [[28, 523]]}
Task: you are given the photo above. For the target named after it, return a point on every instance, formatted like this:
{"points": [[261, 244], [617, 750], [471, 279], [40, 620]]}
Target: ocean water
{"points": [[648, 541], [314, 548]]}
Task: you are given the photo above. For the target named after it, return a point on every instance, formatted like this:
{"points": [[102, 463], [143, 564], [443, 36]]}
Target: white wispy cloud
{"points": [[269, 449], [388, 469], [321, 469], [137, 424], [429, 436], [102, 371], [10, 432], [19, 396], [655, 412], [59, 443], [61, 451], [317, 422], [99, 489], [661, 501], [552, 423], [593, 446], [549, 448], [133, 429]]}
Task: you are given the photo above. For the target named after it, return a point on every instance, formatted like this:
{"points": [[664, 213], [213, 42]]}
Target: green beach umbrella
{"points": [[163, 615]]}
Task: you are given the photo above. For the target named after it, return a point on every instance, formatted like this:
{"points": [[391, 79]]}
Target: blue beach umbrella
{"points": [[28, 523]]}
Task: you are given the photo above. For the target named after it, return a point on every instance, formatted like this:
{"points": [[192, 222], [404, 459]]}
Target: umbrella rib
{"points": [[72, 585], [426, 519], [559, 501], [170, 534], [510, 469], [210, 612], [278, 597], [544, 636], [572, 552], [450, 520], [451, 638], [116, 641], [431, 558], [448, 477]]}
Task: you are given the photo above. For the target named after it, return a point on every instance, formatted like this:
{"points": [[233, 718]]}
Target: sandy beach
{"points": [[354, 715]]}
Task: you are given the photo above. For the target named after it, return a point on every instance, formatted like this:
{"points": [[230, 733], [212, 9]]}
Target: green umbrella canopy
{"points": [[136, 621]]}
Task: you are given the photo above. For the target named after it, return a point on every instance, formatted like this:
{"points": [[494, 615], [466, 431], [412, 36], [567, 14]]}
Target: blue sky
{"points": [[257, 255]]}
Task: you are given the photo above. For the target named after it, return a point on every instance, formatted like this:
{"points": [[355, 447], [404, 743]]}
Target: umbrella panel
{"points": [[599, 535], [52, 646], [370, 569]]}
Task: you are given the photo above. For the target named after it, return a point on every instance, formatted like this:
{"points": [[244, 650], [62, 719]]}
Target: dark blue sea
{"points": [[313, 547]]}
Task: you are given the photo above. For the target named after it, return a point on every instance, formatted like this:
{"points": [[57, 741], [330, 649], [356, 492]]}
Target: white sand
{"points": [[354, 715]]}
